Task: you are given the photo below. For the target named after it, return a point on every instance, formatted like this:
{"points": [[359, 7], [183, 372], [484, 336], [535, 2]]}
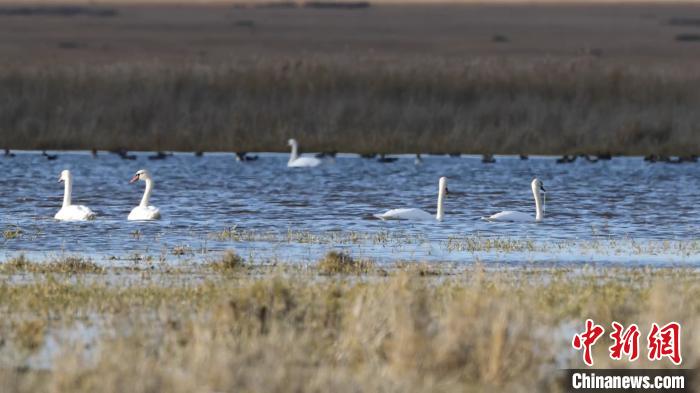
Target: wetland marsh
{"points": [[260, 277], [238, 327], [619, 211]]}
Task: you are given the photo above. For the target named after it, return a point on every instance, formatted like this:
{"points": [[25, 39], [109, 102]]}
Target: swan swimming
{"points": [[68, 211], [144, 211], [418, 214], [537, 190], [300, 162]]}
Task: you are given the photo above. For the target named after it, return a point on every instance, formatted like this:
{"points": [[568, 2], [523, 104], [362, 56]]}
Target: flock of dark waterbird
{"points": [[385, 159]]}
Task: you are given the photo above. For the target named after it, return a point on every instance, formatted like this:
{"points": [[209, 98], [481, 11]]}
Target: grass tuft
{"points": [[230, 262], [68, 265], [74, 265], [17, 264], [337, 262]]}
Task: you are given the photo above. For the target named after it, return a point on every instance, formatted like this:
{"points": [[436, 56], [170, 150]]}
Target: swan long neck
{"points": [[147, 193], [67, 191], [539, 213], [440, 204], [295, 152]]}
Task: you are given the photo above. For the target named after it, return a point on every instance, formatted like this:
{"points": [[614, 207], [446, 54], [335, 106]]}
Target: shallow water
{"points": [[623, 199]]}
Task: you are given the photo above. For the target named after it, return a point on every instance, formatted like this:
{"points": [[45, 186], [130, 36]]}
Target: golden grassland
{"points": [[233, 326], [472, 78]]}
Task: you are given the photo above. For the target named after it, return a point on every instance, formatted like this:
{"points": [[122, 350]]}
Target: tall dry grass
{"points": [[471, 330], [549, 106]]}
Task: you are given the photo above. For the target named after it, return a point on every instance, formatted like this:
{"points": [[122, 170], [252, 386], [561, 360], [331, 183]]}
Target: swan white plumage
{"points": [[418, 214], [537, 190], [68, 211], [144, 211], [300, 162]]}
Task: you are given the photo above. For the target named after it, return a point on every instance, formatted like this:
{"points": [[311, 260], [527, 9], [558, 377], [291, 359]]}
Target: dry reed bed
{"points": [[411, 328], [549, 106]]}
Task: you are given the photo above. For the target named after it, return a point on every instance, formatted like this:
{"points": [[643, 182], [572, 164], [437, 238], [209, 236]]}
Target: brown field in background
{"points": [[503, 78]]}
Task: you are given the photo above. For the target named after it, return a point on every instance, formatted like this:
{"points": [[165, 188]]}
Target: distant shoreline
{"points": [[405, 79], [485, 108]]}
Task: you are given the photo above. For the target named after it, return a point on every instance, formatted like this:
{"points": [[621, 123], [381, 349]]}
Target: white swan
{"points": [[300, 162], [418, 214], [537, 190], [68, 211], [144, 211]]}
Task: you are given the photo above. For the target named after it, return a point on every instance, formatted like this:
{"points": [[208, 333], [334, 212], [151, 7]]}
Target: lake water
{"points": [[624, 201]]}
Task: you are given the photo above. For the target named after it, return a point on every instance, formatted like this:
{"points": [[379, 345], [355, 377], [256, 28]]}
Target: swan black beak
{"points": [[60, 180], [542, 188], [133, 179]]}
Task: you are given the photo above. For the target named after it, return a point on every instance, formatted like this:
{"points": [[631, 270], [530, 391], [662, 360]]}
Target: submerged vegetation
{"points": [[329, 237], [413, 329], [472, 243], [11, 233]]}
